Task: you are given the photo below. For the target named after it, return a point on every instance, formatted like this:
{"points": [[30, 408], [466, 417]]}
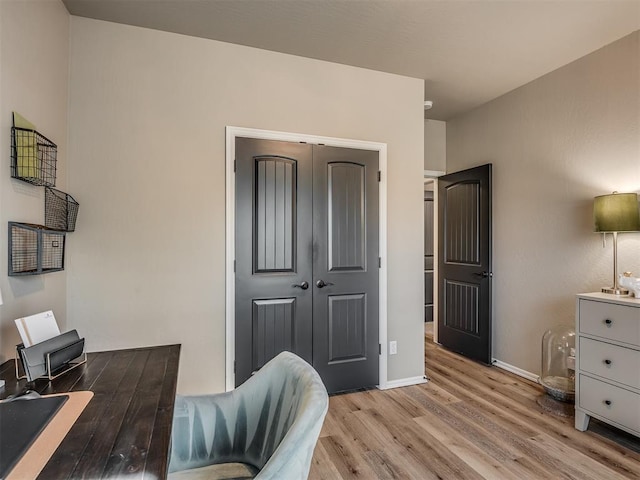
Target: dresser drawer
{"points": [[610, 321], [610, 361], [612, 403]]}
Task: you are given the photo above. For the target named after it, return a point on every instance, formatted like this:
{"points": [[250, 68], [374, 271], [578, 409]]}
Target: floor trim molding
{"points": [[403, 382], [515, 370]]}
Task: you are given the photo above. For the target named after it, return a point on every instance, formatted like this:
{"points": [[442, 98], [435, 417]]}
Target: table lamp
{"points": [[617, 212]]}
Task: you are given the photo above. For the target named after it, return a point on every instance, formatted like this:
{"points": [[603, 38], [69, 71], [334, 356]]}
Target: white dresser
{"points": [[608, 361]]}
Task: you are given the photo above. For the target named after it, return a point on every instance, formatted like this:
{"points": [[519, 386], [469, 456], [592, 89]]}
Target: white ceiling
{"points": [[468, 52]]}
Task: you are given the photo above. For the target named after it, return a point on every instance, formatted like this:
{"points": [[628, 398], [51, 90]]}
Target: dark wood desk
{"points": [[125, 430]]}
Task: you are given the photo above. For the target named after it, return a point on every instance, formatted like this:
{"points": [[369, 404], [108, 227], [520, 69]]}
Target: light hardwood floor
{"points": [[469, 422]]}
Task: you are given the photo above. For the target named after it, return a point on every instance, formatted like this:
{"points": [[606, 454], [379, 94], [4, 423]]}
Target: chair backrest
{"points": [[305, 403], [272, 422]]}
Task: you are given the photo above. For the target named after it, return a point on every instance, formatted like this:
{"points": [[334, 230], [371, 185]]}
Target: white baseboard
{"points": [[518, 371], [403, 382]]}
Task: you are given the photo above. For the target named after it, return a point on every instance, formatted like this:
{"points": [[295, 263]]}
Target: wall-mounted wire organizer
{"points": [[33, 157], [34, 249], [60, 210]]}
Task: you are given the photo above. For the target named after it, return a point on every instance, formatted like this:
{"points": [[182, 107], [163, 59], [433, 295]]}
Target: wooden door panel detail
{"points": [[462, 222], [274, 217], [346, 217], [347, 328], [273, 329], [461, 307]]}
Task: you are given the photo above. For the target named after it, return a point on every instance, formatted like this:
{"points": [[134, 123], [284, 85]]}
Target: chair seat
{"points": [[223, 471]]}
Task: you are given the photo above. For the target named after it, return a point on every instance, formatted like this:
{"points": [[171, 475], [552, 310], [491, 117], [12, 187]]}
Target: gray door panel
{"points": [[273, 252], [345, 228], [464, 320]]}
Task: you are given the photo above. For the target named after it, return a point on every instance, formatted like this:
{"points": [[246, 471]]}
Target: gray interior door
{"points": [[273, 253], [464, 269], [345, 267], [307, 259]]}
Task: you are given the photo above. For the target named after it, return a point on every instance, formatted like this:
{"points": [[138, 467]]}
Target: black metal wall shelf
{"points": [[34, 249], [60, 210], [33, 157]]}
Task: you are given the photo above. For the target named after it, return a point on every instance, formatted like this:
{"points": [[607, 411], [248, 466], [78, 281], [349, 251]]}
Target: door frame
{"points": [[434, 182], [432, 176], [231, 134]]}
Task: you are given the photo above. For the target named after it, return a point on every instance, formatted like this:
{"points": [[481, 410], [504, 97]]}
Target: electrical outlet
{"points": [[393, 347]]}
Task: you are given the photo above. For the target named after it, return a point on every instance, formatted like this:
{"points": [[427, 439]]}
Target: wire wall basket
{"points": [[33, 157], [60, 210], [34, 249]]}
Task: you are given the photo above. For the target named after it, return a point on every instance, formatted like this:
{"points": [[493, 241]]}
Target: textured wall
{"points": [[34, 69], [148, 112], [555, 143], [435, 145]]}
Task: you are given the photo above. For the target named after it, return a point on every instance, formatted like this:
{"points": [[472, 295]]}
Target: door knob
{"points": [[303, 285], [322, 283], [484, 274]]}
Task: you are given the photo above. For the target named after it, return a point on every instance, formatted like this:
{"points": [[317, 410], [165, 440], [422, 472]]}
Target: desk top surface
{"points": [[125, 430]]}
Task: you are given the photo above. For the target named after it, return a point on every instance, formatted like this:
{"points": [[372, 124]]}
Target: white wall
{"points": [[435, 145], [555, 143], [148, 111], [34, 67]]}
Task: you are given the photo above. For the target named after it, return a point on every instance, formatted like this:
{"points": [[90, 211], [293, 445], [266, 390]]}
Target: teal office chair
{"points": [[270, 423]]}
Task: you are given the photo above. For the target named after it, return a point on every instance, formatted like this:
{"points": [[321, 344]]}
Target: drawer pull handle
{"points": [[608, 403], [608, 322], [607, 362]]}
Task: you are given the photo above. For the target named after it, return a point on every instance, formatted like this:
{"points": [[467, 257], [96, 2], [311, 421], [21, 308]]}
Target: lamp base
{"points": [[615, 291]]}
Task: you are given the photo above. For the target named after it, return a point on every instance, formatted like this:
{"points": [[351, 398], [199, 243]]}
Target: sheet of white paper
{"points": [[37, 328]]}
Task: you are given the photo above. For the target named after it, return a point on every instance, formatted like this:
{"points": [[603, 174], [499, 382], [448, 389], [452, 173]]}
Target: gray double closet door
{"points": [[307, 259]]}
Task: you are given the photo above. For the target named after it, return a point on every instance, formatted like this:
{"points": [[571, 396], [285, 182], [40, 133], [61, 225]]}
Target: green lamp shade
{"points": [[617, 212]]}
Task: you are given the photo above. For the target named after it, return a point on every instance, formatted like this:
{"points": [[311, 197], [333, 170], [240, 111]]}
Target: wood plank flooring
{"points": [[469, 422]]}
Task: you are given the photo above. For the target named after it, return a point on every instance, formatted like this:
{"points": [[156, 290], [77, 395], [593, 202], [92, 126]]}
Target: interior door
{"points": [[345, 267], [465, 277], [273, 252], [307, 259]]}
